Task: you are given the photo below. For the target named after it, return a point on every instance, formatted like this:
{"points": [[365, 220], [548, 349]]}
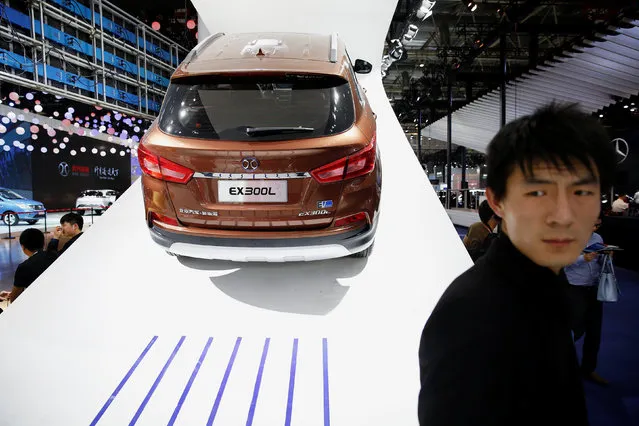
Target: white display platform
{"points": [[71, 341]]}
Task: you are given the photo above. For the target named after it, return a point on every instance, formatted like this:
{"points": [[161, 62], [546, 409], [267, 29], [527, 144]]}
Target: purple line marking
{"points": [[124, 380], [157, 382], [258, 381], [227, 373], [190, 382], [327, 414], [291, 385]]}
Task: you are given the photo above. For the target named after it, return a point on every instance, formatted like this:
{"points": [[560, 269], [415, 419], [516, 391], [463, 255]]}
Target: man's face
{"points": [[69, 230], [549, 217]]}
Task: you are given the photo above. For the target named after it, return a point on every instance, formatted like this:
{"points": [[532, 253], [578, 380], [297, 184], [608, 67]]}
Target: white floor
{"points": [[70, 339]]}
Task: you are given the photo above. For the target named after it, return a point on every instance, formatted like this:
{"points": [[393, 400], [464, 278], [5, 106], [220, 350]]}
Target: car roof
{"points": [[265, 51]]}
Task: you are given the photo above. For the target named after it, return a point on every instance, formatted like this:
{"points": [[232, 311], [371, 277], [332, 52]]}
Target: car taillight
{"points": [[164, 219], [348, 220], [161, 168], [358, 164]]}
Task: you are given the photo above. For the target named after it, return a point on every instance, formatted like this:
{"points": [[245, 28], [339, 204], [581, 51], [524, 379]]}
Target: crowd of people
{"points": [[39, 257]]}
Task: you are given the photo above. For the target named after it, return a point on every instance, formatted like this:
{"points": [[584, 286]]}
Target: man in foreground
{"points": [[498, 348]]}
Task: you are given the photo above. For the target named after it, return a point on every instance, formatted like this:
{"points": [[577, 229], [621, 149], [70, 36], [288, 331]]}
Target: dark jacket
{"points": [[53, 244], [29, 270], [498, 350]]}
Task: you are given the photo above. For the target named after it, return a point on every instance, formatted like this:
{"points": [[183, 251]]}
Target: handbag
{"points": [[608, 290]]}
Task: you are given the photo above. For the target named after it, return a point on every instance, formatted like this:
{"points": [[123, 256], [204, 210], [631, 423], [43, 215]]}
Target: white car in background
{"points": [[97, 199]]}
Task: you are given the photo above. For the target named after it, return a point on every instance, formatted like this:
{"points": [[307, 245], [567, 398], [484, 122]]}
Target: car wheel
{"points": [[32, 222], [364, 253], [10, 218]]}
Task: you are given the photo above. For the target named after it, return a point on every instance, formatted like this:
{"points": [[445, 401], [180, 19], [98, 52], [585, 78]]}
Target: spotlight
{"points": [[410, 33], [425, 10], [472, 6], [397, 49]]}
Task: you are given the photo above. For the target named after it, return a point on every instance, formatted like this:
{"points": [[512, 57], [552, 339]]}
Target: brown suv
{"points": [[264, 150]]}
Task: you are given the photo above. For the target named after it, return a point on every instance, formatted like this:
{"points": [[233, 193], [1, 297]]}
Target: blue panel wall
{"points": [[74, 43], [83, 11]]}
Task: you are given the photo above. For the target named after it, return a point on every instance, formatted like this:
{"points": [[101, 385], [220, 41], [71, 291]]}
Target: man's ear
{"points": [[494, 204]]}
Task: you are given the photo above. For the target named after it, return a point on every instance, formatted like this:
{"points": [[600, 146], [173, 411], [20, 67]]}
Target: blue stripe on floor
{"points": [[157, 382], [227, 373], [327, 411], [291, 385], [258, 382], [190, 382], [123, 381]]}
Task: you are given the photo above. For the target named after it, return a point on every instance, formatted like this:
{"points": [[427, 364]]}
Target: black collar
{"points": [[504, 255]]}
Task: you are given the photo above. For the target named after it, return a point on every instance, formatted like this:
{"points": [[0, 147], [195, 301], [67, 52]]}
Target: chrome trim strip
{"points": [[332, 56], [252, 176]]}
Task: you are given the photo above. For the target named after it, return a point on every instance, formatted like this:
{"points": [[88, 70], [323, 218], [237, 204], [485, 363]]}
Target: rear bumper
{"points": [[266, 250]]}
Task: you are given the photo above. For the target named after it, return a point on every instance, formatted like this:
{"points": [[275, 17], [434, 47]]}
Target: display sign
{"points": [[626, 145], [58, 179]]}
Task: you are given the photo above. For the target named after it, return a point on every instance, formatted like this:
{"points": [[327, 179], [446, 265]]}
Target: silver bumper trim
{"points": [[252, 176]]}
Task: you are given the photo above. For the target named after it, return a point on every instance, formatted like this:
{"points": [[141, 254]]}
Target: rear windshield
{"points": [[257, 107]]}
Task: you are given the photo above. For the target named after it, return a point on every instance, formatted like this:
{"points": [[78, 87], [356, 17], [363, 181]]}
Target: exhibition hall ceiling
{"points": [[462, 38]]}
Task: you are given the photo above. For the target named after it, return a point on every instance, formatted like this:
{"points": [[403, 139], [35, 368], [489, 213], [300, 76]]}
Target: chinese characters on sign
{"points": [[106, 173]]}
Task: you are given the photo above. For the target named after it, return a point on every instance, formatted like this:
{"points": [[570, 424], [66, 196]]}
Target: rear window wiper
{"points": [[263, 131]]}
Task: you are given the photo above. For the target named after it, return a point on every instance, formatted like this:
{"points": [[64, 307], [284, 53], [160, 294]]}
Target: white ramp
{"points": [[118, 333]]}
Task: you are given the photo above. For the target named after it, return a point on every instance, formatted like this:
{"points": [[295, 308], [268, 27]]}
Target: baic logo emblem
{"points": [[63, 169], [621, 149], [250, 164]]}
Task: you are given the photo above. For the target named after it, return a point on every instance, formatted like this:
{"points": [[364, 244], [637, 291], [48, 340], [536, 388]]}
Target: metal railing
{"points": [[462, 198], [42, 214]]}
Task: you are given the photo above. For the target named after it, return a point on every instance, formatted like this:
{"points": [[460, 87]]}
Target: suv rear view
{"points": [[264, 150]]}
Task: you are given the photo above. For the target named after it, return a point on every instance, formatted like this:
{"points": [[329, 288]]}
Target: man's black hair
{"points": [[73, 219], [32, 239], [561, 135], [485, 212]]}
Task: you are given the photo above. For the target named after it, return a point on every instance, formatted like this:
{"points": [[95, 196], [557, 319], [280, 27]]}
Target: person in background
{"points": [[38, 260], [71, 227], [620, 205], [480, 234], [498, 348], [583, 275]]}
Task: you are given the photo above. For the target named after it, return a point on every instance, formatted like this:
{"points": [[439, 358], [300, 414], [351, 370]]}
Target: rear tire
{"points": [[364, 253]]}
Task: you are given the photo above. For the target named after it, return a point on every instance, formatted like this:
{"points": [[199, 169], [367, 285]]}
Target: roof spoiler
{"points": [[332, 55]]}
